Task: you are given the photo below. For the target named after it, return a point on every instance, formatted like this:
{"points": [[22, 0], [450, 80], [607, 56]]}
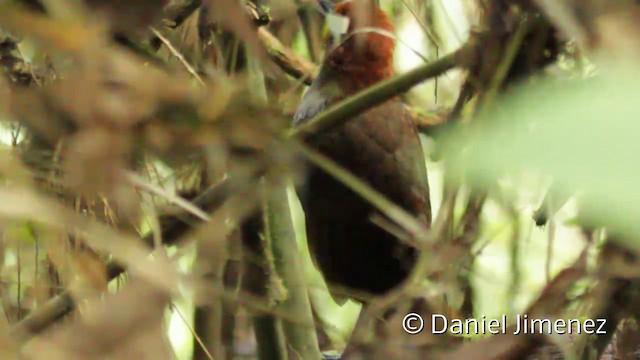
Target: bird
{"points": [[380, 146]]}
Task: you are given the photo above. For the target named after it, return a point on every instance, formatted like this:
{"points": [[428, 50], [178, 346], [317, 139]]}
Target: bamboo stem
{"points": [[375, 95], [258, 280], [301, 337]]}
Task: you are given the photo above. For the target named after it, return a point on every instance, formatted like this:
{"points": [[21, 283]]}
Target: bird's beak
{"points": [[336, 25], [325, 7]]}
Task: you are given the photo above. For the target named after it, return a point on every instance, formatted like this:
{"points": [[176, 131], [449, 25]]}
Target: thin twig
{"points": [[289, 61], [550, 242], [178, 55], [192, 331], [425, 28], [509, 56], [176, 200], [30, 68], [408, 222], [173, 228]]}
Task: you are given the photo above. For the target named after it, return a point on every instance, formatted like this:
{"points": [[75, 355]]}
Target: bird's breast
{"points": [[350, 250]]}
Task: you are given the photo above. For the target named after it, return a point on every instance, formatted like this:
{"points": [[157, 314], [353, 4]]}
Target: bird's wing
{"points": [[321, 94], [382, 146]]}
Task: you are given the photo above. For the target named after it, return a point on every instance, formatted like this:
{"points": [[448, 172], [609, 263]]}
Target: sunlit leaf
{"points": [[583, 134]]}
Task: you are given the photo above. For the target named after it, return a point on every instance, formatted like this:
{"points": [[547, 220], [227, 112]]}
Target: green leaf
{"points": [[584, 134]]}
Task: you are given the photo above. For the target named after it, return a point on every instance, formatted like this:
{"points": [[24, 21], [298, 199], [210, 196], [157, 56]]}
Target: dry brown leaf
{"points": [[501, 346], [95, 160], [126, 15], [70, 35], [21, 203], [126, 325], [116, 89], [233, 17], [92, 271]]}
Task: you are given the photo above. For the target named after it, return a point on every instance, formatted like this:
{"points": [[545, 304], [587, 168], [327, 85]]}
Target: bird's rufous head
{"points": [[365, 55]]}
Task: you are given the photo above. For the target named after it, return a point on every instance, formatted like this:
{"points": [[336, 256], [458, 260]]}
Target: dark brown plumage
{"points": [[381, 146]]}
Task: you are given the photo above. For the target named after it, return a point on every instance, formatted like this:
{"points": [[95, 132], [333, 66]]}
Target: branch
{"points": [[377, 94], [427, 123], [289, 61], [280, 230], [259, 280], [177, 11], [173, 227], [271, 345], [17, 69], [551, 303]]}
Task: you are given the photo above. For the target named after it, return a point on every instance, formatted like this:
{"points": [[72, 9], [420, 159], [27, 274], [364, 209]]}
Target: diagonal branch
{"points": [[286, 59], [376, 95], [177, 11], [15, 67], [173, 227]]}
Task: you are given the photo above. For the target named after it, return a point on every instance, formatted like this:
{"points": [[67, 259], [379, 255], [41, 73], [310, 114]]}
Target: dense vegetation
{"points": [[137, 137]]}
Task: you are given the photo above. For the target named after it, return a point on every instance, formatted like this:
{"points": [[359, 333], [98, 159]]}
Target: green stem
{"points": [[510, 53], [279, 225], [271, 345], [258, 280], [407, 221], [374, 95]]}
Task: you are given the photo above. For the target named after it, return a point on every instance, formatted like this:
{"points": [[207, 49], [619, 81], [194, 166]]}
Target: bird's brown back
{"points": [[381, 147]]}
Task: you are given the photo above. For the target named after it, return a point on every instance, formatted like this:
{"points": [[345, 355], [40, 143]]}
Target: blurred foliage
{"points": [[136, 135], [581, 133]]}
